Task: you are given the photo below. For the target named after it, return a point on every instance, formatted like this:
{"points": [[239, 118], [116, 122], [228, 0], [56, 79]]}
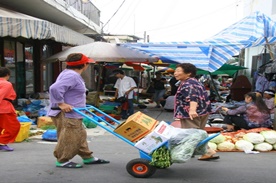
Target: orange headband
{"points": [[83, 60]]}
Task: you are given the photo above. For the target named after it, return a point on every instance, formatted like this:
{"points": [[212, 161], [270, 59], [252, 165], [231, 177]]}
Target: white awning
{"points": [[16, 24]]}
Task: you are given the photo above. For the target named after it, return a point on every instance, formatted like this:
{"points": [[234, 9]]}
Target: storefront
{"points": [[24, 42]]}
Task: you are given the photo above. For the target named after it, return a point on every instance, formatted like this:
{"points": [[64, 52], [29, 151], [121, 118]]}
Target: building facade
{"points": [[34, 30], [257, 56]]}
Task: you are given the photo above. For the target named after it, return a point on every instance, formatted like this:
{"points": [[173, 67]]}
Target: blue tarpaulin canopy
{"points": [[254, 30]]}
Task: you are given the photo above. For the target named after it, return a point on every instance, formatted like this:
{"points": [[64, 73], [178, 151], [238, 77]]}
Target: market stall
{"points": [[248, 141], [254, 30]]}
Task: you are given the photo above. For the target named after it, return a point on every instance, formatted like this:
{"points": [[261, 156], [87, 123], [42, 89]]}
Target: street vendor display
{"points": [[257, 139], [253, 114]]}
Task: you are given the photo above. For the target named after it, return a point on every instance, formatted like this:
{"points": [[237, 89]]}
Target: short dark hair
{"points": [[4, 71], [188, 68], [72, 58], [118, 71]]}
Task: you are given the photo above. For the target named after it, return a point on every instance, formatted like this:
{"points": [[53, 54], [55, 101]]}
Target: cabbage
{"points": [[254, 138], [270, 136], [212, 145], [263, 146], [226, 146], [244, 145], [218, 139]]}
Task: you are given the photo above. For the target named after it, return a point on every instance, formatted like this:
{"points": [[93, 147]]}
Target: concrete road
{"points": [[33, 162]]}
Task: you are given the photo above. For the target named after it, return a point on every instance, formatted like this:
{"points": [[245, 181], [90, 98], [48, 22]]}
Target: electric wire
{"points": [[114, 13], [186, 21], [136, 5], [197, 25]]}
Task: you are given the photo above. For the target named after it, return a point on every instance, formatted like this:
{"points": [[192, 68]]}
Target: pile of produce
{"points": [[161, 158], [259, 139]]}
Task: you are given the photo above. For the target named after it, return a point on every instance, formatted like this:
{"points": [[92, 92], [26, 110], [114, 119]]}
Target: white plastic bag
{"points": [[183, 144]]}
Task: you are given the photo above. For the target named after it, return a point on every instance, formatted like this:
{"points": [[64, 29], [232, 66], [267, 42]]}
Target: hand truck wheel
{"points": [[140, 168]]}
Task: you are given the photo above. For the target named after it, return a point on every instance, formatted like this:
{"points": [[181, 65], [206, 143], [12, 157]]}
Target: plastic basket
{"points": [[106, 107], [23, 132]]}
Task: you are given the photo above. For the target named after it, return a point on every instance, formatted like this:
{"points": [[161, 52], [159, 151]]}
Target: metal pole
{"points": [[269, 49], [272, 58], [274, 122], [215, 88]]}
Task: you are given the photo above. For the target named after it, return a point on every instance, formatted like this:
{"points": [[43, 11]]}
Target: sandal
{"points": [[208, 158], [68, 164], [99, 161]]}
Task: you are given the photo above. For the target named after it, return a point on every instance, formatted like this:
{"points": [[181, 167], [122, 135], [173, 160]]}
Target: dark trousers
{"points": [[129, 111], [237, 121]]}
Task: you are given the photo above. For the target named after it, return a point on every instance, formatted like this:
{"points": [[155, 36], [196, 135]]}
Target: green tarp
{"points": [[224, 69]]}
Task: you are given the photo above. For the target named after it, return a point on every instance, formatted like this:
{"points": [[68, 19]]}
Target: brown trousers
{"points": [[198, 122], [71, 137]]}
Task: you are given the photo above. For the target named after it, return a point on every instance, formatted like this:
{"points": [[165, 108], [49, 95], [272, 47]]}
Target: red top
{"points": [[6, 92]]}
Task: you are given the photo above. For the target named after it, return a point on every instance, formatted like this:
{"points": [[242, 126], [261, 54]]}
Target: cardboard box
{"points": [[43, 121], [136, 126], [164, 129], [155, 139], [23, 132]]}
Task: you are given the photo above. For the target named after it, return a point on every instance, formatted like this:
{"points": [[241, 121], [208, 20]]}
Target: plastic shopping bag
{"points": [[183, 144]]}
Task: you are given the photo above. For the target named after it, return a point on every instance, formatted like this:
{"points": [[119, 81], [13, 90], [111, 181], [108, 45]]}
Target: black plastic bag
{"points": [[122, 99]]}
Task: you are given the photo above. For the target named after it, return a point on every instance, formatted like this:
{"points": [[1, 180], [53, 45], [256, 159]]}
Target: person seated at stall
{"points": [[268, 97], [253, 114], [167, 101], [229, 82], [215, 87]]}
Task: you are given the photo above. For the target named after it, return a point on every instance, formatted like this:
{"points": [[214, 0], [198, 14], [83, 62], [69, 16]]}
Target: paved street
{"points": [[33, 162]]}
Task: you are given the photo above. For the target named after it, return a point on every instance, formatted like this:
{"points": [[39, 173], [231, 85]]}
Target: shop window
{"points": [[9, 57], [20, 71], [47, 68], [29, 69]]}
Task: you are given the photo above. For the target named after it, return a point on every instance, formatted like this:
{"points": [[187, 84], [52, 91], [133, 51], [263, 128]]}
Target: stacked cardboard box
{"points": [[136, 126], [158, 137]]}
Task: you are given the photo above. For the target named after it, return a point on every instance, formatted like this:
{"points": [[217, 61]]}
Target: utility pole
{"points": [[134, 25], [145, 36]]}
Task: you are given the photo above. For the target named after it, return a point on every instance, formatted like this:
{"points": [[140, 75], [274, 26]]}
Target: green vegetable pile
{"points": [[161, 158]]}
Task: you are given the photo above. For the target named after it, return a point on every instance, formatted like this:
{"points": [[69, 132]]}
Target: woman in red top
{"points": [[9, 125]]}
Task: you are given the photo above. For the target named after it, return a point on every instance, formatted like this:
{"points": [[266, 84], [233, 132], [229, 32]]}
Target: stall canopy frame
{"points": [[254, 30]]}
